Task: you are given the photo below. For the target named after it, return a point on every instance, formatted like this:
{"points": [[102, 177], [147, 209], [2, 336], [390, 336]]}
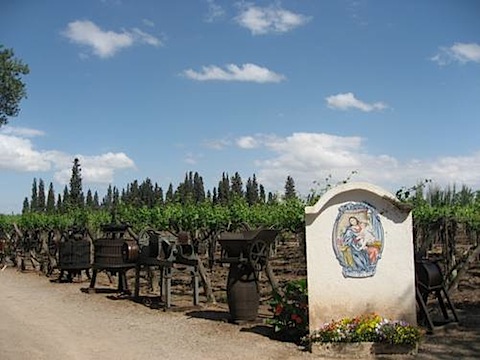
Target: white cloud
{"points": [[217, 144], [247, 142], [192, 158], [21, 131], [348, 101], [98, 169], [270, 19], [105, 43], [460, 169], [459, 52], [144, 38], [17, 153], [312, 157], [215, 11], [232, 72]]}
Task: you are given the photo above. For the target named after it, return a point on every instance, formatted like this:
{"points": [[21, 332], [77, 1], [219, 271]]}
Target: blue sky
{"points": [[137, 89]]}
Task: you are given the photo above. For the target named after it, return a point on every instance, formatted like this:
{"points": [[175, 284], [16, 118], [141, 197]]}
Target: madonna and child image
{"points": [[358, 239]]}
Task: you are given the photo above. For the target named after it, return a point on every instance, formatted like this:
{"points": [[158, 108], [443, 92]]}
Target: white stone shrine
{"points": [[360, 257]]}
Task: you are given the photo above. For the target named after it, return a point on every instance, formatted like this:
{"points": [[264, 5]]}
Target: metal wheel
{"points": [[258, 254], [148, 243], [147, 301]]}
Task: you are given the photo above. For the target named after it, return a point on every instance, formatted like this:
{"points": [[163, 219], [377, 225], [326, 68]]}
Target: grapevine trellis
{"points": [[450, 235], [450, 242]]}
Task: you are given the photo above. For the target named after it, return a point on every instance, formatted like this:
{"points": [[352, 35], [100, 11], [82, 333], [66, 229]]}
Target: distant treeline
{"points": [[149, 194]]}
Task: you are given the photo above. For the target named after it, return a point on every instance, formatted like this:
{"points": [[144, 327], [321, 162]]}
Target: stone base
{"points": [[361, 350]]}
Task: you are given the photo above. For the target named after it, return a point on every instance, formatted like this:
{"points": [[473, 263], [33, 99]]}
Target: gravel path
{"points": [[44, 320]]}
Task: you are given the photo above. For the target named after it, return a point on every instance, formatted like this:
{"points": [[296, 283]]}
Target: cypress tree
{"points": [[261, 195], [251, 192], [76, 194], [224, 190], [189, 185], [236, 185], [169, 195], [50, 207], [134, 194], [66, 199], [96, 202], [198, 189], [108, 198], [126, 195], [89, 200], [290, 192], [59, 203], [41, 200], [34, 198], [184, 193], [147, 193], [272, 198], [158, 195], [26, 206], [116, 197]]}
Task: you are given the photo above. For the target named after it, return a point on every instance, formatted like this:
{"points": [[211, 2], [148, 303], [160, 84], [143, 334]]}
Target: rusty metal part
{"points": [[130, 251]]}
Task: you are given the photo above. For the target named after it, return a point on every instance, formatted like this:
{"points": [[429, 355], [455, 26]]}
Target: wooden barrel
{"points": [[74, 255], [242, 293], [108, 253]]}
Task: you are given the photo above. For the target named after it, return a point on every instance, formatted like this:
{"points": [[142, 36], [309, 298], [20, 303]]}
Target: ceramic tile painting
{"points": [[358, 239]]}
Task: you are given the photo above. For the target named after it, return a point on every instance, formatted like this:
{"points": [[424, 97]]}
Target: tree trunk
{"points": [[271, 277], [463, 269], [207, 284]]}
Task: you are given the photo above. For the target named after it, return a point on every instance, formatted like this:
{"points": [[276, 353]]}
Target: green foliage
{"points": [[367, 328], [12, 88], [7, 221], [32, 221], [290, 311]]}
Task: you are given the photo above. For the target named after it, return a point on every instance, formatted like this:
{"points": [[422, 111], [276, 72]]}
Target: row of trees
{"points": [[149, 194], [192, 191]]}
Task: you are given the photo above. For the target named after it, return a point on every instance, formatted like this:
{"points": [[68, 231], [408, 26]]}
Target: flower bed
{"points": [[363, 336], [355, 337], [369, 328]]}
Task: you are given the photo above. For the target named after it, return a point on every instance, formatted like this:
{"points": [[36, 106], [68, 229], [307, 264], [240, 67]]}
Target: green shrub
{"points": [[290, 311]]}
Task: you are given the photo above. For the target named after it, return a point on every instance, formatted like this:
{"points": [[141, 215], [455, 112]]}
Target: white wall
{"points": [[390, 292]]}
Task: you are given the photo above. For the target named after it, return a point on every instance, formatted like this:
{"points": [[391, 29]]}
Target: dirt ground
{"points": [[41, 318]]}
